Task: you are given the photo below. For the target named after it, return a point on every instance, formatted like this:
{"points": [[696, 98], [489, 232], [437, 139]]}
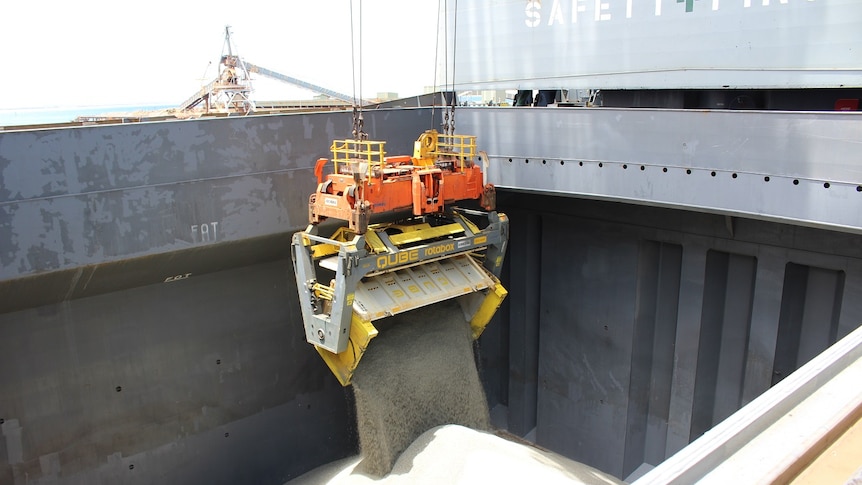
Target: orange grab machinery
{"points": [[425, 250]]}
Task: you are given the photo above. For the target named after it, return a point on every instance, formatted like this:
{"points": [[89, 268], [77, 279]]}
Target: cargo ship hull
{"points": [[139, 347]]}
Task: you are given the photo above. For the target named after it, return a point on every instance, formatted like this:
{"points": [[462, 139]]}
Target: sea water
{"points": [[65, 114]]}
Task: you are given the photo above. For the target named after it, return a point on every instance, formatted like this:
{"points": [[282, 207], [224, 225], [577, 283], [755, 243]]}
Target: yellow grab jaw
{"points": [[344, 364], [493, 299], [480, 306], [394, 268]]}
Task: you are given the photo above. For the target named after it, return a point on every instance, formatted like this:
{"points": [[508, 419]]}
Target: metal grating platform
{"points": [[409, 288]]}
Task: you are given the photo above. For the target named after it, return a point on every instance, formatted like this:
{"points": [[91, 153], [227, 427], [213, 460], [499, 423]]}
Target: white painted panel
{"points": [[655, 44]]}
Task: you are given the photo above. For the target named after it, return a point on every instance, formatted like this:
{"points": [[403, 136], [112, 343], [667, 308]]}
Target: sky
{"points": [[159, 52]]}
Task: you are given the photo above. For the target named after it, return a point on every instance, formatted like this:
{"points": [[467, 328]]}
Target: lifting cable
{"points": [[358, 122], [436, 54], [449, 112]]}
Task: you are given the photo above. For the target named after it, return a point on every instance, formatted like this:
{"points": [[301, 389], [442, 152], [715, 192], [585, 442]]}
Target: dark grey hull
{"points": [[137, 350], [89, 205], [629, 331], [151, 329], [204, 380]]}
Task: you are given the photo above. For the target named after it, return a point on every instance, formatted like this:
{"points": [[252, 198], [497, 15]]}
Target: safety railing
{"points": [[459, 147], [366, 154]]}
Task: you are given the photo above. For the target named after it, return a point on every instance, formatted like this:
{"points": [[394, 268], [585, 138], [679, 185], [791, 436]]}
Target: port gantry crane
{"points": [[231, 90]]}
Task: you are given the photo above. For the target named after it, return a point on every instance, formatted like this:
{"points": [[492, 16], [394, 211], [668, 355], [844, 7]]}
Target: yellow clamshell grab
{"points": [[364, 272]]}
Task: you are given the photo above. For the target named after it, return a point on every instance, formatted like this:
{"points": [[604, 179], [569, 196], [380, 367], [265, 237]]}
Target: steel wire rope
{"points": [[358, 131], [360, 59], [454, 48], [352, 56], [436, 54], [445, 65], [449, 128]]}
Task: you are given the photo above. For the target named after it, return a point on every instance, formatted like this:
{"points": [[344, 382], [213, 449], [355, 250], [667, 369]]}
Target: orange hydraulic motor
{"points": [[365, 182]]}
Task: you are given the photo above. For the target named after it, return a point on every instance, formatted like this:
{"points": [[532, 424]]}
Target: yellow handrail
{"points": [[352, 151], [461, 147]]}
